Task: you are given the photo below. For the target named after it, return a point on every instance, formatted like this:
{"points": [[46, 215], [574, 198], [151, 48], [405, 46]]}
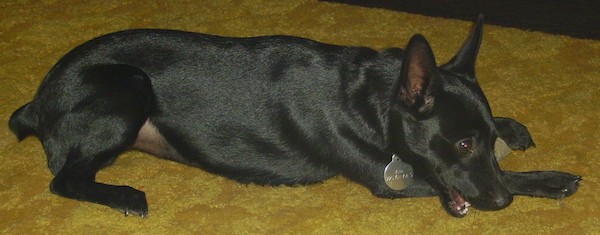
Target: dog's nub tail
{"points": [[22, 122]]}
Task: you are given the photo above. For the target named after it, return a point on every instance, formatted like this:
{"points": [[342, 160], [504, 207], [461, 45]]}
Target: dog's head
{"points": [[442, 124]]}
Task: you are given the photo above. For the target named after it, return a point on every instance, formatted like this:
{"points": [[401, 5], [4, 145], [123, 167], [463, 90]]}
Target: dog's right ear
{"points": [[419, 76]]}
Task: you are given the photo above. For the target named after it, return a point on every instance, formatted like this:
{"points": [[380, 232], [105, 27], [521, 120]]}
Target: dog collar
{"points": [[397, 174]]}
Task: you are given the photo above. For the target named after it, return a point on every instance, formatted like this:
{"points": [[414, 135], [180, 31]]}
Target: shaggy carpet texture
{"points": [[550, 83]]}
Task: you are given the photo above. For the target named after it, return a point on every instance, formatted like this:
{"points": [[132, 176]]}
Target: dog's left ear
{"points": [[464, 61], [419, 76]]}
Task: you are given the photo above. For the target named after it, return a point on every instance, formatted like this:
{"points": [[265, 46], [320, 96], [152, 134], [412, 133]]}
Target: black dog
{"points": [[279, 110]]}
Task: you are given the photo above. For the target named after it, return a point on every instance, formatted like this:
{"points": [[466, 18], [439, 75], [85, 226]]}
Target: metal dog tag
{"points": [[397, 174]]}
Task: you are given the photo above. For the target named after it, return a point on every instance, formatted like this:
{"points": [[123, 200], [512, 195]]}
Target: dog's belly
{"points": [[151, 141], [242, 161]]}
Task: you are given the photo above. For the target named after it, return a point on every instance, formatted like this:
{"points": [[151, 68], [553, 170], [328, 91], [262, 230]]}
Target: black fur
{"points": [[277, 110]]}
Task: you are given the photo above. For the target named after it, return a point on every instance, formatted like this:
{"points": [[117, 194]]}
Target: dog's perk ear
{"points": [[419, 76], [464, 61]]}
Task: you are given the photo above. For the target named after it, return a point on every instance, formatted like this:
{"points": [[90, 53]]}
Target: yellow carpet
{"points": [[551, 83]]}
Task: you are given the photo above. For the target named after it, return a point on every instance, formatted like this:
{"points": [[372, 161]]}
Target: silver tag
{"points": [[397, 174]]}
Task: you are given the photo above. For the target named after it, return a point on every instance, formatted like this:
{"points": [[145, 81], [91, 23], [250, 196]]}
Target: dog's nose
{"points": [[492, 202], [501, 201]]}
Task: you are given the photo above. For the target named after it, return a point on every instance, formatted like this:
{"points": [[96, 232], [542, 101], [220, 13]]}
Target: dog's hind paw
{"points": [[131, 202]]}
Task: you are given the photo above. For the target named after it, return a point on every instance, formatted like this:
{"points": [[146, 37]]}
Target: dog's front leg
{"points": [[515, 134], [549, 184]]}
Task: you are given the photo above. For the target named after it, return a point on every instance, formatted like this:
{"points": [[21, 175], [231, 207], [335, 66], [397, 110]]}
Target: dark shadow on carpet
{"points": [[576, 18]]}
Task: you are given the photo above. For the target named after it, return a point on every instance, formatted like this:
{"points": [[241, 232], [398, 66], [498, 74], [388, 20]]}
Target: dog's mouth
{"points": [[457, 205]]}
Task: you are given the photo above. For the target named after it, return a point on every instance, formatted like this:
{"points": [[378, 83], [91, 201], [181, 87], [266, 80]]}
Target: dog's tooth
{"points": [[464, 210]]}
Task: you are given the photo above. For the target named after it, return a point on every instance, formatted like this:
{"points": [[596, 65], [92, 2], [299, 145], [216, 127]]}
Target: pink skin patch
{"points": [[458, 203]]}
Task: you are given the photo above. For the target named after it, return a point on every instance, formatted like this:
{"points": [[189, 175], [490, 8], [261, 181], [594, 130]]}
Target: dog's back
{"points": [[264, 110]]}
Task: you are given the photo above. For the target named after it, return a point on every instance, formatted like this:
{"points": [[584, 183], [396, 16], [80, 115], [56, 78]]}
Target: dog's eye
{"points": [[465, 145]]}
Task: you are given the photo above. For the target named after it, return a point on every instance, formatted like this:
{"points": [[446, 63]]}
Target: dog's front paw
{"points": [[131, 201], [522, 143], [549, 184], [515, 134], [562, 185]]}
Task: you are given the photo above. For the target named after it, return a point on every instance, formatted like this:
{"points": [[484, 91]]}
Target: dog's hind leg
{"points": [[113, 103]]}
